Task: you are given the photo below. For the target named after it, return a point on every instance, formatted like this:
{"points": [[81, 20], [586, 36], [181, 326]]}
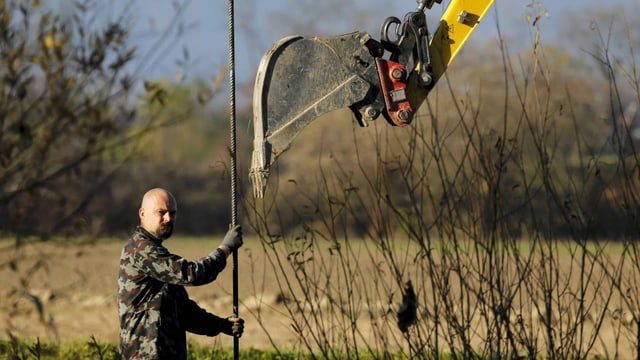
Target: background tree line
{"points": [[83, 135], [83, 132]]}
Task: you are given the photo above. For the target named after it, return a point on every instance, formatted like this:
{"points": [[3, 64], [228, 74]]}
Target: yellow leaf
{"points": [[49, 41], [217, 80], [44, 134], [15, 65]]}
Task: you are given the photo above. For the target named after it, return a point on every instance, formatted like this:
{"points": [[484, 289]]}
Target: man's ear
{"points": [[141, 213]]}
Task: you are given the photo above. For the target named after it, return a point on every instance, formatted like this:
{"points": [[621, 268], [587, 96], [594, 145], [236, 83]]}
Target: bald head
{"points": [[158, 213]]}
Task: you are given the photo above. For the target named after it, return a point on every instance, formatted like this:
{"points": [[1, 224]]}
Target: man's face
{"points": [[158, 215]]}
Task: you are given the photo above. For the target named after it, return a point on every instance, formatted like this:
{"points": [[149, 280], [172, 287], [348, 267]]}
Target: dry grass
{"points": [[59, 292]]}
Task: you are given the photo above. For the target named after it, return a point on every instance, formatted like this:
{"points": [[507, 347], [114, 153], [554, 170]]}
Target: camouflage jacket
{"points": [[154, 308]]}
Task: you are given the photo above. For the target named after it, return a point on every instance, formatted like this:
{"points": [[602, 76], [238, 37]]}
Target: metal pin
{"points": [[463, 17]]}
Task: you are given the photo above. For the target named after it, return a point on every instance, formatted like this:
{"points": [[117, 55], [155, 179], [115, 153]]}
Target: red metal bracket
{"points": [[393, 82]]}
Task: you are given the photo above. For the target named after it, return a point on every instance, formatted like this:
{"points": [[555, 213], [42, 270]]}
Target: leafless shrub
{"points": [[495, 211]]}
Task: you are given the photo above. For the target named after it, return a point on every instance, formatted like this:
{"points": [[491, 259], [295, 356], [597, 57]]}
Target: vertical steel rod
{"points": [[234, 172]]}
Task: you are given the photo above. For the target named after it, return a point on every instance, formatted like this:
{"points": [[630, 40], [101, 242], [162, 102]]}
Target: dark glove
{"points": [[233, 326], [233, 238]]}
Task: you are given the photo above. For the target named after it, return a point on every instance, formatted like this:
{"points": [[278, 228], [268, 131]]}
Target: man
{"points": [[155, 310]]}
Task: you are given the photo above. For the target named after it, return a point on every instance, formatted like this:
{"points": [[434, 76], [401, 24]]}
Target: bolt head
{"points": [[397, 74], [370, 112], [426, 79], [405, 115]]}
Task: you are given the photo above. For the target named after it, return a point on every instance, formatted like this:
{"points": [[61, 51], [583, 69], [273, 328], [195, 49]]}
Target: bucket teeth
{"points": [[259, 172]]}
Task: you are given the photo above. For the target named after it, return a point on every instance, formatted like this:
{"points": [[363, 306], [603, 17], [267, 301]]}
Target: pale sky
{"points": [[259, 24]]}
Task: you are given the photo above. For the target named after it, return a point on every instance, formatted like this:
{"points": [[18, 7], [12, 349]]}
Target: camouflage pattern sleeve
{"points": [[199, 321], [155, 261]]}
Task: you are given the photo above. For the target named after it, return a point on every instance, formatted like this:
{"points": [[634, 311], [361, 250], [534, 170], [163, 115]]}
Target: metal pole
{"points": [[234, 173]]}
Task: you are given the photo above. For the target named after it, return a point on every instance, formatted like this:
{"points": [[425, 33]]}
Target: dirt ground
{"points": [[62, 292], [56, 292]]}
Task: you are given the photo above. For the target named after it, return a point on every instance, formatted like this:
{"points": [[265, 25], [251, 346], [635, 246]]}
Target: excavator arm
{"points": [[300, 78]]}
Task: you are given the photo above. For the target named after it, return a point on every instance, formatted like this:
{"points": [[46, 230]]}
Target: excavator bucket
{"points": [[300, 78]]}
